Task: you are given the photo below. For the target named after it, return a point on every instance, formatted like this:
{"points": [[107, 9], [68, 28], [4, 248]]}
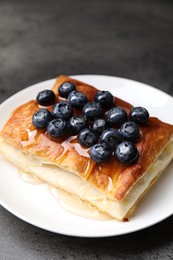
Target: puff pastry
{"points": [[112, 187]]}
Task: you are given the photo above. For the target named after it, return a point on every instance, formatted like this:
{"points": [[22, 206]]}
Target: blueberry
{"points": [[65, 88], [62, 110], [99, 125], [77, 99], [41, 118], [111, 137], [92, 110], [100, 152], [126, 152], [116, 116], [87, 137], [77, 123], [139, 115], [105, 98], [130, 131], [46, 97], [57, 128]]}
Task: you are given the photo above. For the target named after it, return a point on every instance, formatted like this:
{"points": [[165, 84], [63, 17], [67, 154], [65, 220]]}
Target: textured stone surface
{"points": [[41, 39]]}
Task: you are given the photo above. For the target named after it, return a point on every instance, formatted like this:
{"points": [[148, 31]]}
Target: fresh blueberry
{"points": [[130, 131], [100, 152], [87, 137], [111, 137], [139, 115], [65, 88], [62, 110], [41, 118], [77, 99], [105, 98], [57, 128], [77, 123], [126, 152], [46, 97], [116, 116], [92, 110], [99, 125]]}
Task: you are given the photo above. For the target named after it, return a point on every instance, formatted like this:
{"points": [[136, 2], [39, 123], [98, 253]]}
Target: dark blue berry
{"points": [[139, 115], [62, 110], [57, 128], [77, 99], [130, 131], [105, 98], [111, 137], [100, 152], [92, 110], [126, 152], [77, 123], [99, 125], [87, 137], [46, 97], [65, 88], [41, 118], [116, 116]]}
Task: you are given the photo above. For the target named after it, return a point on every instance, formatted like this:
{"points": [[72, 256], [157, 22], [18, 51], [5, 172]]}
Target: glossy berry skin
{"points": [[77, 99], [41, 118], [139, 115], [77, 123], [126, 152], [99, 125], [104, 98], [100, 153], [87, 137], [130, 131], [62, 110], [57, 128], [116, 116], [111, 137], [92, 110], [65, 88], [46, 97]]}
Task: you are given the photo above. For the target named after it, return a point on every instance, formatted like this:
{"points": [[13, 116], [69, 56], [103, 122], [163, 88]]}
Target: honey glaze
{"points": [[31, 135], [29, 178], [76, 206], [72, 143], [67, 201]]}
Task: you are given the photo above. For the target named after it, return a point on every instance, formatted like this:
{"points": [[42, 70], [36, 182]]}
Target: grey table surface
{"points": [[42, 39]]}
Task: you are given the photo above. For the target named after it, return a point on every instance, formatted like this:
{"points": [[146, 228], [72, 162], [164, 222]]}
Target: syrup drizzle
{"points": [[67, 201], [76, 206], [30, 138], [29, 178], [72, 142]]}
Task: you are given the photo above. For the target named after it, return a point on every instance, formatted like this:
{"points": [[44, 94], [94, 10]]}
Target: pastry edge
{"points": [[72, 183]]}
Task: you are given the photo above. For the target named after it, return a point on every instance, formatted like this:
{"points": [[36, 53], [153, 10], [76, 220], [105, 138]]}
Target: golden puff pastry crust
{"points": [[112, 178]]}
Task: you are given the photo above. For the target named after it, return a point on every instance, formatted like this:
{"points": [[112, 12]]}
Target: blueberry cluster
{"points": [[102, 126]]}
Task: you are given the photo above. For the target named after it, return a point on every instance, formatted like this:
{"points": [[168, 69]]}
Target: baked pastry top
{"points": [[112, 177]]}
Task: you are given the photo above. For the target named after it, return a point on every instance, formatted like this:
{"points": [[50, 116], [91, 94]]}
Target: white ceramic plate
{"points": [[34, 203]]}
